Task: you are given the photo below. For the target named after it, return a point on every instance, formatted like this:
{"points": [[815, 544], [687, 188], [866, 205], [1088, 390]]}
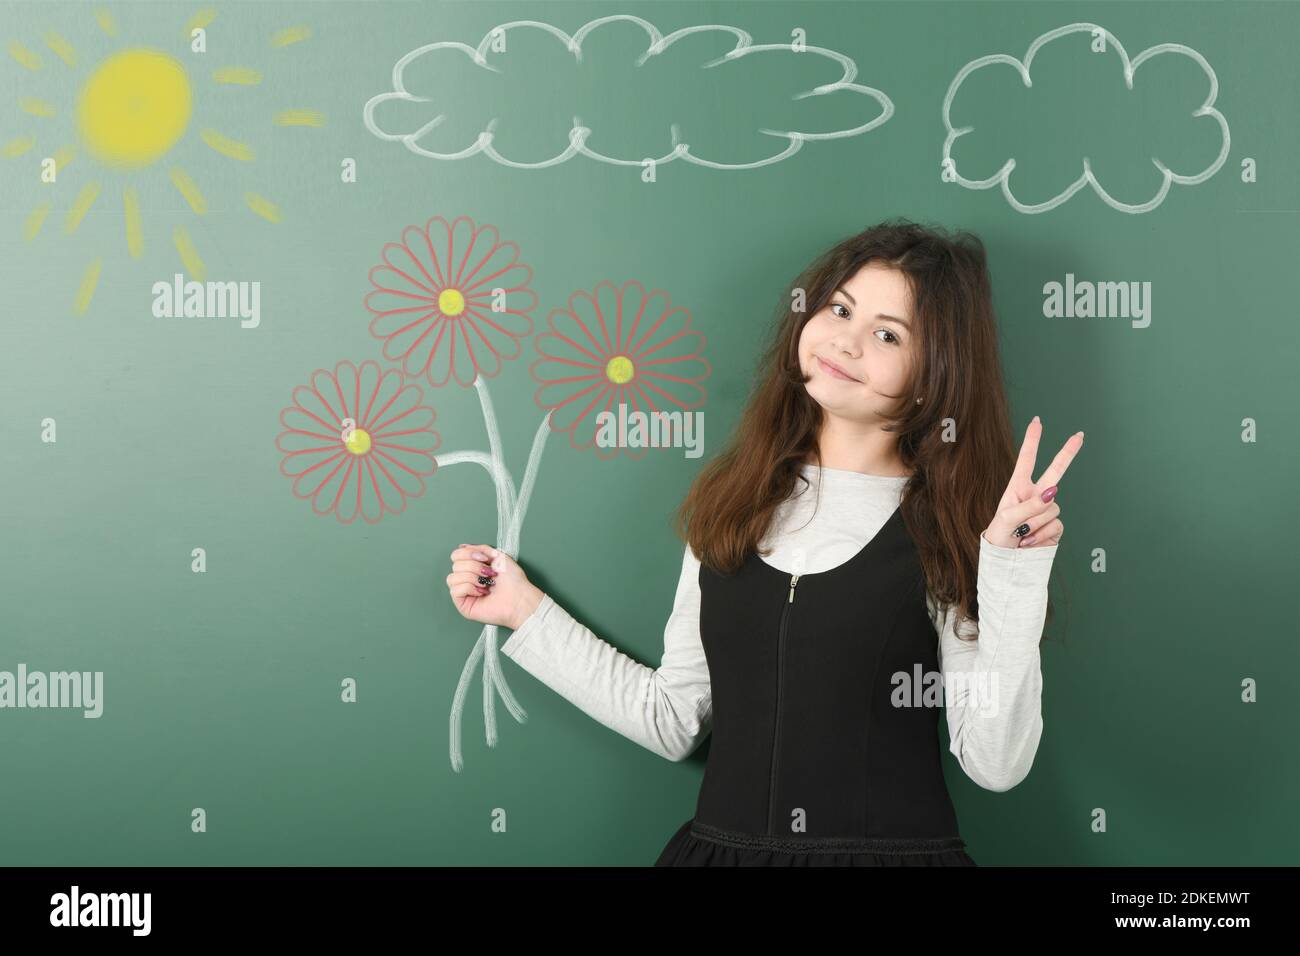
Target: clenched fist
{"points": [[508, 597]]}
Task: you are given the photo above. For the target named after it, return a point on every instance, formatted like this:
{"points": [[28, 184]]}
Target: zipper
{"points": [[776, 730]]}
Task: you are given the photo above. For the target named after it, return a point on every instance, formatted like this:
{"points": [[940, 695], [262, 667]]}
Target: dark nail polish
{"points": [[1049, 494]]}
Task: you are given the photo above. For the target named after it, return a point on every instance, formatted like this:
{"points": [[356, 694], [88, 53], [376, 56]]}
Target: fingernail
{"points": [[489, 571], [1035, 419], [1050, 493], [1028, 539]]}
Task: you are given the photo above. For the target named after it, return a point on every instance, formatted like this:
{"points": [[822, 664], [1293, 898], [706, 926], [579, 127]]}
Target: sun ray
{"points": [[34, 220], [226, 146], [24, 56], [299, 118], [187, 188], [63, 156], [106, 22], [85, 199], [263, 207], [16, 147], [88, 282], [200, 21], [194, 266], [34, 107], [290, 35], [61, 47], [134, 228], [240, 75]]}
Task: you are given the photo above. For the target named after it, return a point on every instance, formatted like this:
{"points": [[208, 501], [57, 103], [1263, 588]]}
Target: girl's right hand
{"points": [[506, 602]]}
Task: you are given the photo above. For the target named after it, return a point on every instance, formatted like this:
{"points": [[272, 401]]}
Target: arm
{"points": [[667, 710], [996, 746]]}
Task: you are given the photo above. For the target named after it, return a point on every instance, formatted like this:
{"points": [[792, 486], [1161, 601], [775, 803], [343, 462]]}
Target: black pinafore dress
{"points": [[812, 763]]}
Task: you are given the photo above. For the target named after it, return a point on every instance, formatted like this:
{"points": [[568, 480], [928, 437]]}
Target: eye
{"points": [[893, 339], [838, 305]]}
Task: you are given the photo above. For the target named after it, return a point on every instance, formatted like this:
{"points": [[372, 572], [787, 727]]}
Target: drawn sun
{"points": [[133, 108]]}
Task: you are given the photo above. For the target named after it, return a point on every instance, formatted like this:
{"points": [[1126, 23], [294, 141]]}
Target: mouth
{"points": [[834, 370]]}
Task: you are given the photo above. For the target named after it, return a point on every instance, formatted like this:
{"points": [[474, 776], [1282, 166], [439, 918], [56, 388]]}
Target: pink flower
{"points": [[357, 441], [451, 301], [617, 346]]}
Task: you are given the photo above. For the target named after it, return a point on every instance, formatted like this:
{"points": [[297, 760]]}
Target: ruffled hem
{"points": [[688, 848]]}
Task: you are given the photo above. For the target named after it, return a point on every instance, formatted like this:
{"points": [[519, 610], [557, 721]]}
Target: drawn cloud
{"points": [[1086, 177], [409, 133]]}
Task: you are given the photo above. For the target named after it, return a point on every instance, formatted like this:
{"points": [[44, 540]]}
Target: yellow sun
{"points": [[134, 107], [131, 110]]}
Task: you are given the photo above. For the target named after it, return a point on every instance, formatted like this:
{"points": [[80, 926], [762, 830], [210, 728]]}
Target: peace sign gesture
{"points": [[1027, 506]]}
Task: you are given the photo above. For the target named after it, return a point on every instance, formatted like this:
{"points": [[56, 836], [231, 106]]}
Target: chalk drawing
{"points": [[132, 110], [617, 345], [358, 442], [1086, 178], [450, 301], [578, 134], [511, 507]]}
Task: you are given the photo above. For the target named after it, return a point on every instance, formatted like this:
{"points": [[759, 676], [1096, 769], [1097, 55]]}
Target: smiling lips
{"points": [[834, 371]]}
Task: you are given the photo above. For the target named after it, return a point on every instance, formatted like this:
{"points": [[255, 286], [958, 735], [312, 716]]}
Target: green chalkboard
{"points": [[154, 531]]}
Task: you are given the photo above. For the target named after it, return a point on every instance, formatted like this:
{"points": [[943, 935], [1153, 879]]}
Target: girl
{"points": [[868, 539]]}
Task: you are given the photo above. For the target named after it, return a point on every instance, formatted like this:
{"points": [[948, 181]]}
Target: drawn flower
{"points": [[451, 301], [358, 441], [617, 346]]}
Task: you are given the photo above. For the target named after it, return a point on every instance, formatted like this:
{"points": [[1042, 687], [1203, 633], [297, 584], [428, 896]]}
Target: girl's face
{"points": [[866, 332]]}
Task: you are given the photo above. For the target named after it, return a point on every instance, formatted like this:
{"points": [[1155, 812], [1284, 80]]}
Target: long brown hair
{"points": [[955, 485]]}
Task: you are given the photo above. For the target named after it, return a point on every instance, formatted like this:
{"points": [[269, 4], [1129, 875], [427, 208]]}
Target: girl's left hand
{"points": [[1023, 502]]}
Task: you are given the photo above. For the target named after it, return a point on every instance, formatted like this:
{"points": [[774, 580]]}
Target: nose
{"points": [[846, 344]]}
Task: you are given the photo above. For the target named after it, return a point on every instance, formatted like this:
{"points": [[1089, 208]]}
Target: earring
{"points": [[918, 401]]}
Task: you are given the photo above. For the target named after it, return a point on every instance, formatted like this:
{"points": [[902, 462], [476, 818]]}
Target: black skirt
{"points": [[698, 844]]}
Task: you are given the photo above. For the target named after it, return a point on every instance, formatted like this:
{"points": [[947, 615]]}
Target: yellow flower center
{"points": [[134, 107], [359, 443], [619, 369], [451, 302]]}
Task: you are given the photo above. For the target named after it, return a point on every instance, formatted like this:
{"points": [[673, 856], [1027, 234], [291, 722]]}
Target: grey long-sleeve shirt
{"points": [[668, 709]]}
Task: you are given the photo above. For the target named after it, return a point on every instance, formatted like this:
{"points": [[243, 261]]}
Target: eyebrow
{"points": [[880, 315]]}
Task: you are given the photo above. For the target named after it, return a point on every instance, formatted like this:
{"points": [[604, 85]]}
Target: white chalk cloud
{"points": [[388, 124], [1086, 177]]}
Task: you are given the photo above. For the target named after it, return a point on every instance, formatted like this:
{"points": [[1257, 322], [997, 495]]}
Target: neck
{"points": [[859, 446]]}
